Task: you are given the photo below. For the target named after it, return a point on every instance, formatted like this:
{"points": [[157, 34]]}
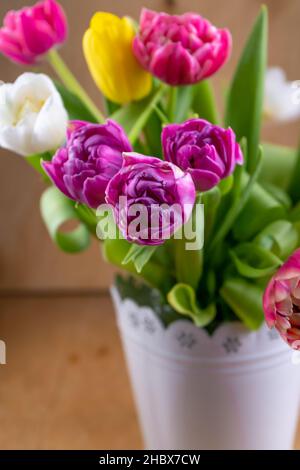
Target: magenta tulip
{"points": [[208, 152], [151, 198], [91, 157], [29, 33], [282, 301], [180, 49]]}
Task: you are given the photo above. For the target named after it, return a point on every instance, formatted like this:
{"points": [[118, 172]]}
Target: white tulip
{"points": [[32, 115], [281, 101]]}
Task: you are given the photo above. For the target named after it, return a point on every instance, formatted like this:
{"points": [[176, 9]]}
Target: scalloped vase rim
{"points": [[231, 343]]}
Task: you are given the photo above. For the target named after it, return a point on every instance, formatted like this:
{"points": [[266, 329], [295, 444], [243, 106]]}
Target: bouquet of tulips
{"points": [[190, 202]]}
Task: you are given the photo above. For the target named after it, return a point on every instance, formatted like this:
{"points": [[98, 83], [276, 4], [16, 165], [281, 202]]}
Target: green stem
{"points": [[204, 102], [173, 92], [163, 118], [88, 217], [68, 79], [189, 262], [144, 116], [237, 205], [294, 189]]}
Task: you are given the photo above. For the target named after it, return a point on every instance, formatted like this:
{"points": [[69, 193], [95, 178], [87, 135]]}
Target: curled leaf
{"points": [[281, 238], [245, 300], [253, 261], [182, 298], [56, 210]]}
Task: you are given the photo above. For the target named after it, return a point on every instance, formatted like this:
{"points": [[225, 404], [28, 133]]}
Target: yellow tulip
{"points": [[107, 46]]}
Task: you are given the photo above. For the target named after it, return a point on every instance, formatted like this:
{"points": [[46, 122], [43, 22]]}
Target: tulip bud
{"points": [[29, 33], [107, 46]]}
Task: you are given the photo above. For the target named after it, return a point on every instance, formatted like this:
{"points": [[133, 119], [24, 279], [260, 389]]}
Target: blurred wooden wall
{"points": [[28, 259]]}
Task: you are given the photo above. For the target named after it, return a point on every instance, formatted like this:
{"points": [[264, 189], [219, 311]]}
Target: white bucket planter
{"points": [[234, 390]]}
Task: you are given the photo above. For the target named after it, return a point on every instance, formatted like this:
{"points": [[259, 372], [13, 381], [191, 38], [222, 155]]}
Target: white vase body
{"points": [[235, 389]]}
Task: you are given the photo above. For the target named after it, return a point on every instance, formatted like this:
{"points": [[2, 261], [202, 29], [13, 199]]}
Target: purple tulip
{"points": [[209, 153], [180, 49], [282, 301], [92, 156], [151, 198], [30, 32]]}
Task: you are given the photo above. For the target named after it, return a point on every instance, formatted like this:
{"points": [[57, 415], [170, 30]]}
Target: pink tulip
{"points": [[30, 32], [282, 301], [180, 49]]}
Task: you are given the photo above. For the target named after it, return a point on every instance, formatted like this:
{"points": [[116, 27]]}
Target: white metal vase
{"points": [[235, 389]]}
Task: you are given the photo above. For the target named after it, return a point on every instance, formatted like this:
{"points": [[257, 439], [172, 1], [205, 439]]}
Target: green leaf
{"points": [[57, 209], [189, 259], [278, 165], [242, 189], [87, 216], [294, 215], [143, 258], [139, 256], [260, 210], [134, 116], [161, 115], [75, 107], [171, 102], [35, 162], [245, 98], [279, 194], [294, 188], [245, 299], [280, 238], [225, 212], [183, 299], [211, 200], [189, 263], [226, 184], [185, 98], [115, 250], [253, 261], [204, 103], [110, 106], [152, 131]]}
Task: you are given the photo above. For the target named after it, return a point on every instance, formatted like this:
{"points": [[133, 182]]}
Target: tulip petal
{"points": [[37, 35], [11, 48], [92, 188], [57, 18], [204, 180], [174, 65], [51, 123], [53, 170]]}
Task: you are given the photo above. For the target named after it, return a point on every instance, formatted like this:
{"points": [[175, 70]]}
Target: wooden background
{"points": [[65, 383], [28, 259]]}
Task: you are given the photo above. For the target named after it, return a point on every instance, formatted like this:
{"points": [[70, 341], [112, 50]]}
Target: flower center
{"points": [[28, 106]]}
